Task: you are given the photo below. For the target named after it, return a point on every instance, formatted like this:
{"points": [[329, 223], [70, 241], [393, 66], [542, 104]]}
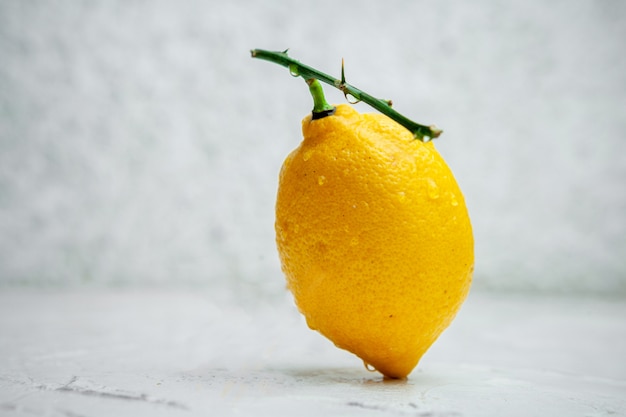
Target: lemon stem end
{"points": [[321, 108]]}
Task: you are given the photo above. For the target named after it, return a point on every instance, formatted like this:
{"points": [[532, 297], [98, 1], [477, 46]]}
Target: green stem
{"points": [[321, 108], [421, 132]]}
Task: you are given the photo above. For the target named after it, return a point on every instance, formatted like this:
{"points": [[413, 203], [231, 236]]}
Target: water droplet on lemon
{"points": [[433, 189], [369, 367], [321, 180]]}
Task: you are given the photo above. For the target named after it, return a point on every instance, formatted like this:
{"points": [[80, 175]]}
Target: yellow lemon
{"points": [[374, 238]]}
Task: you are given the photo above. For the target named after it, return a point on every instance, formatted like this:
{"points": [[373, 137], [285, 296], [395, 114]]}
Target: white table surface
{"points": [[179, 352]]}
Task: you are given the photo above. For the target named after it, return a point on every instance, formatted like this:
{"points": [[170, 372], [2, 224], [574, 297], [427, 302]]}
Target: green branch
{"points": [[421, 132]]}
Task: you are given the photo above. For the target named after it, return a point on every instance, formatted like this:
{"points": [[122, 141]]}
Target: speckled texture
{"points": [[140, 144], [191, 353]]}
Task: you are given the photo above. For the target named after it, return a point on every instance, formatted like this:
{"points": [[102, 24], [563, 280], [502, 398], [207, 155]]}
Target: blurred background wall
{"points": [[140, 144]]}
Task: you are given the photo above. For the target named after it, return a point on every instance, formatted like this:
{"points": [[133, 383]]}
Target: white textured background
{"points": [[140, 144]]}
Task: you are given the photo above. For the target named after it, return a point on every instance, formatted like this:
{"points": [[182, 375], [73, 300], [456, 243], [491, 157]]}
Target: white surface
{"points": [[143, 353], [140, 143]]}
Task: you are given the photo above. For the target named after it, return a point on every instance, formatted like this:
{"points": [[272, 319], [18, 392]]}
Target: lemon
{"points": [[374, 237]]}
